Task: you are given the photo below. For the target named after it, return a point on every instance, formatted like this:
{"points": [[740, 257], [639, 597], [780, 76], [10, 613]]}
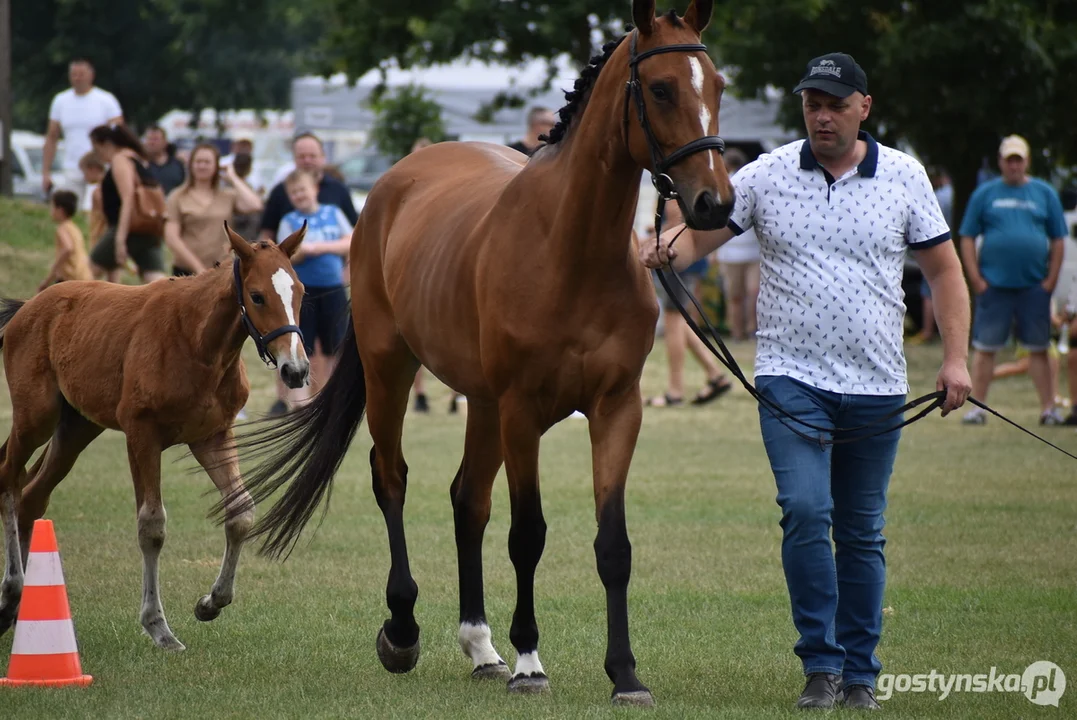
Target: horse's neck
{"points": [[220, 333], [596, 180]]}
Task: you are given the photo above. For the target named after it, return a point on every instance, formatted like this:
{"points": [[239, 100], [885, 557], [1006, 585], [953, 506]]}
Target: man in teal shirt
{"points": [[1020, 218]]}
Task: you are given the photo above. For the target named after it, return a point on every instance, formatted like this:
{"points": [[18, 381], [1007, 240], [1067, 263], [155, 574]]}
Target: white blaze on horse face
{"points": [[282, 283], [704, 111]]}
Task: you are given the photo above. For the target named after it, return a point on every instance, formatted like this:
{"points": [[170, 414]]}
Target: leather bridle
{"points": [[260, 341]]}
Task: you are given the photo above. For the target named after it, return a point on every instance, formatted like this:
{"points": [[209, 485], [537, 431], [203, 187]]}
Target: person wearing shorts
{"points": [[1022, 224], [319, 264]]}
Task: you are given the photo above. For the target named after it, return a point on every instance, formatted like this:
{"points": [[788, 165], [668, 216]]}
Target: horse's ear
{"points": [[243, 249], [643, 16], [291, 243], [698, 15]]}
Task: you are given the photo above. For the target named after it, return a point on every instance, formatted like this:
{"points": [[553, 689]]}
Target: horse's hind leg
{"points": [[72, 435], [35, 412], [217, 455], [144, 454], [614, 427], [471, 510], [388, 381], [520, 435]]}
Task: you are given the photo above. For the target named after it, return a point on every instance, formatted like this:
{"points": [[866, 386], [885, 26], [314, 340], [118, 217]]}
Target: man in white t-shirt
{"points": [[834, 215], [74, 113]]}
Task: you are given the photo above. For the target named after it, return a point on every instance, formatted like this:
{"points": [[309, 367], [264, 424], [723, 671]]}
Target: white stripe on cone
{"points": [[43, 569], [44, 637]]}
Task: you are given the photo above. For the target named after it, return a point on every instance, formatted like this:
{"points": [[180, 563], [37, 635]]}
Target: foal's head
{"points": [[272, 295], [682, 92]]}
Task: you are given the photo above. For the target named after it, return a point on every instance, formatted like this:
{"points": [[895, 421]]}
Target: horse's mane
{"points": [[581, 89], [580, 92]]}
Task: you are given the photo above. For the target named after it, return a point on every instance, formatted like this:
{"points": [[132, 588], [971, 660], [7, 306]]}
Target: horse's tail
{"points": [[8, 308], [308, 445]]}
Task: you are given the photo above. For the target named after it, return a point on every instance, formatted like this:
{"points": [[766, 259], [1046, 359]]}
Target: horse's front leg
{"points": [[217, 455], [614, 427]]}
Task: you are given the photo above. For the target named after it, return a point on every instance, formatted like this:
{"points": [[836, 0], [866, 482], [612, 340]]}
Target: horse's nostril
{"points": [[705, 204]]}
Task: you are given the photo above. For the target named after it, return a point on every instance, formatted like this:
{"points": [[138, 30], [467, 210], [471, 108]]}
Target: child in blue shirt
{"points": [[319, 264]]}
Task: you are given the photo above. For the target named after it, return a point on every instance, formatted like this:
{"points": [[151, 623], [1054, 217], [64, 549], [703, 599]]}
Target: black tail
{"points": [[308, 445], [8, 308]]}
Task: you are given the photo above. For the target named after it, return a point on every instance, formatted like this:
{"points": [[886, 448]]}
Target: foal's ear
{"points": [[698, 14], [243, 249], [643, 16], [291, 243]]}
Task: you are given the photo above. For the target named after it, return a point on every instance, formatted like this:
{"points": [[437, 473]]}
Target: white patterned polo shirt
{"points": [[831, 308]]}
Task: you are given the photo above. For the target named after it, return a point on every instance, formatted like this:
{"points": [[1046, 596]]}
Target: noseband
{"points": [[260, 341], [634, 91]]}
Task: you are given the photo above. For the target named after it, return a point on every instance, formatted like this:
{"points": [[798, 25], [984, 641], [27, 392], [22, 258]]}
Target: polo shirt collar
{"points": [[867, 166]]}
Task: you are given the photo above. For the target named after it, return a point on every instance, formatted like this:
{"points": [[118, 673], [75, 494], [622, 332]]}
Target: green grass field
{"points": [[982, 557]]}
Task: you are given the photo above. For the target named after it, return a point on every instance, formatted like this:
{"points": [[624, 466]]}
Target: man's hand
{"points": [[121, 254], [1048, 286], [979, 285], [657, 254], [954, 379], [46, 182]]}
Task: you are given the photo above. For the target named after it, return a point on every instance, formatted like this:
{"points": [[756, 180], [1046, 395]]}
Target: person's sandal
{"points": [[666, 400], [714, 390]]}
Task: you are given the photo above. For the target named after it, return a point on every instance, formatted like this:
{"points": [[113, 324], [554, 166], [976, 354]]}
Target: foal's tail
{"points": [[308, 445], [8, 308]]}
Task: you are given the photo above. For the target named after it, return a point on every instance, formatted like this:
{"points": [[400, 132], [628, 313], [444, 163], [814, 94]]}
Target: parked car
{"points": [[361, 170], [28, 155]]}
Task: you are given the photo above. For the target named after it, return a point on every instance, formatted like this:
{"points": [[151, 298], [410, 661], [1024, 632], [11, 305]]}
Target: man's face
{"points": [[1013, 168], [155, 142], [833, 122], [308, 155], [80, 75], [543, 124]]}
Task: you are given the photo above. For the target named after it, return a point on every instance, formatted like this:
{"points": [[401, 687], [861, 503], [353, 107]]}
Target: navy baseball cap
{"points": [[835, 74]]}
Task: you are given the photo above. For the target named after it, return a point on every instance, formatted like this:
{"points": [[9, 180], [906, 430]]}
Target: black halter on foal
{"points": [[259, 339], [634, 91]]}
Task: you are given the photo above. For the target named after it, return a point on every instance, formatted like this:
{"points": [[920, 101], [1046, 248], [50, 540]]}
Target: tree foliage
{"points": [[404, 117], [950, 78], [156, 55]]}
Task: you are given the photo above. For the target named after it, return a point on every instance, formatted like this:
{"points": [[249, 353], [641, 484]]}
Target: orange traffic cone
{"points": [[44, 651]]}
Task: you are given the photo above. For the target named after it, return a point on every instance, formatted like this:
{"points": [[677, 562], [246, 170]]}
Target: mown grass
{"points": [[982, 559]]}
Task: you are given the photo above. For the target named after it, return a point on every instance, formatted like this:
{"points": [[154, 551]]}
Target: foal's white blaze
{"points": [[704, 111], [282, 283], [475, 642], [528, 664]]}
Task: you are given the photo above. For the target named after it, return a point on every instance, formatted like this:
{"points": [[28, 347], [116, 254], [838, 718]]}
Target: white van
{"points": [[28, 154]]}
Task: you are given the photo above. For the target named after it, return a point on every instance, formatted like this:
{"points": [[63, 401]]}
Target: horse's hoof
{"points": [[170, 643], [394, 659], [529, 684], [491, 671], [205, 610], [634, 698]]}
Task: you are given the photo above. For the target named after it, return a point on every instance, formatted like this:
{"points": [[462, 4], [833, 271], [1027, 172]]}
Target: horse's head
{"points": [[676, 93], [270, 296]]}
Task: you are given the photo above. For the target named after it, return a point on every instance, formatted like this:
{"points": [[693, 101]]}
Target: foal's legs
{"points": [[217, 455], [614, 426], [527, 537], [388, 382], [470, 494], [32, 423], [144, 454]]}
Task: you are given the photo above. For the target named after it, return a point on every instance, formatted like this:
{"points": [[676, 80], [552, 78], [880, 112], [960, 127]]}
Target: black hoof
{"points": [[394, 659], [492, 671], [633, 698], [529, 684], [205, 610]]}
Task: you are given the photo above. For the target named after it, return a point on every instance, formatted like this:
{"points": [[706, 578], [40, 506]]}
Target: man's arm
{"points": [[1054, 264], [52, 136], [942, 270], [972, 264], [690, 245]]}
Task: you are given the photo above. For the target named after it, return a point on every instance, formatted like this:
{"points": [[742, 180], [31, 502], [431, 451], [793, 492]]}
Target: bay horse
{"points": [[516, 283], [160, 363]]}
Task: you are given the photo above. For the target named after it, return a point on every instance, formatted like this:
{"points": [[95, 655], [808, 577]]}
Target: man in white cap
{"points": [[1021, 221]]}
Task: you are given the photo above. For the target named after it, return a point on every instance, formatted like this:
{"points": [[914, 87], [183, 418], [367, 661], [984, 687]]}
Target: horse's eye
{"points": [[660, 92], [258, 298]]}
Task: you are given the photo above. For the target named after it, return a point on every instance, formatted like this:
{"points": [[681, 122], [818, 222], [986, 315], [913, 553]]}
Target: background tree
{"points": [[156, 55], [402, 118], [950, 78]]}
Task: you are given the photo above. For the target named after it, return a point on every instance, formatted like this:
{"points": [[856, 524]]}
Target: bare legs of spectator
{"points": [[421, 403], [1039, 370], [741, 291], [679, 338]]}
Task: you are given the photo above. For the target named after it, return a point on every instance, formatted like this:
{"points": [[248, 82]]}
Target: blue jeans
{"points": [[836, 596]]}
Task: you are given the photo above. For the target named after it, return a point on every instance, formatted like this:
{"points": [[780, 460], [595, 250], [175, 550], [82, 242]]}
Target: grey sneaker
{"points": [[975, 416], [1052, 417]]}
